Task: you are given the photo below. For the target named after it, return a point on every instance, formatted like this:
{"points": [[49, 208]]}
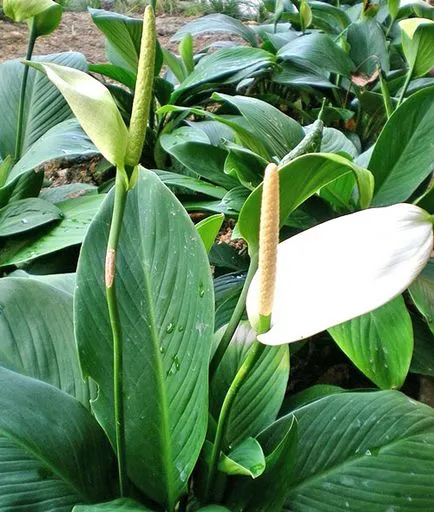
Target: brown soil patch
{"points": [[76, 32]]}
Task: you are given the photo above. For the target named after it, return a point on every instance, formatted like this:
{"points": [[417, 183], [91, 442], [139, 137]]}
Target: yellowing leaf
{"points": [[417, 44]]}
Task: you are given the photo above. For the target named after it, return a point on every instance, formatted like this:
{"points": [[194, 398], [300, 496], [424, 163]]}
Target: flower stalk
{"points": [[268, 240]]}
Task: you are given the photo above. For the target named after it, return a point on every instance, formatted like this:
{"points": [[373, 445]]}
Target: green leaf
{"points": [[379, 343], [126, 504], [422, 293], [209, 228], [116, 73], [368, 47], [175, 65], [423, 353], [53, 454], [278, 132], [37, 332], [191, 184], [63, 192], [204, 159], [20, 10], [246, 459], [27, 214], [363, 450], [217, 23], [297, 76], [213, 508], [123, 36], [245, 165], [307, 396], [25, 185], [328, 17], [186, 52], [268, 492], [403, 155], [334, 141], [300, 179], [417, 35], [318, 53], [77, 214], [65, 140], [165, 297], [40, 93], [223, 64], [94, 107], [260, 396]]}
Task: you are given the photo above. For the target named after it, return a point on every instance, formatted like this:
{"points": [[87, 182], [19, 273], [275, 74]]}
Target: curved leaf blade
{"points": [[166, 310]]}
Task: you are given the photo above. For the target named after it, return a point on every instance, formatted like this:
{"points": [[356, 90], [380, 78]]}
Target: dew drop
{"points": [[170, 327]]}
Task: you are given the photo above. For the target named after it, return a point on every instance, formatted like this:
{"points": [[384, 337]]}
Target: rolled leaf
{"points": [[344, 268]]}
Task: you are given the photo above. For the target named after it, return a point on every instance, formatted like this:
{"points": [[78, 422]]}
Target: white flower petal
{"points": [[344, 268]]}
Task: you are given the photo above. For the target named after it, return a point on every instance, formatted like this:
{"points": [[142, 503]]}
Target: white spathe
{"points": [[94, 108], [342, 269]]}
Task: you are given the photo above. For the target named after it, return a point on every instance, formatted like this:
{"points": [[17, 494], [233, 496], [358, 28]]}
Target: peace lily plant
{"points": [[192, 423]]}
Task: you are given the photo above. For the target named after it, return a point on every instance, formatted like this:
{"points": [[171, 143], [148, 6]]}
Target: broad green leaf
{"points": [[244, 164], [393, 6], [227, 289], [300, 179], [379, 343], [126, 504], [94, 107], [334, 141], [423, 353], [65, 140], [123, 36], [363, 450], [246, 459], [297, 76], [44, 105], [328, 17], [63, 192], [191, 184], [25, 185], [268, 492], [230, 204], [217, 23], [203, 159], [221, 65], [422, 293], [175, 65], [116, 73], [53, 454], [307, 396], [27, 214], [77, 214], [209, 228], [368, 47], [403, 155], [318, 53], [20, 10], [417, 36], [37, 332], [226, 256], [260, 396], [278, 132], [165, 298]]}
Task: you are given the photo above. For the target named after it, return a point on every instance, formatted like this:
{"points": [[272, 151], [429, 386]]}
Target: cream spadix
{"points": [[343, 268]]}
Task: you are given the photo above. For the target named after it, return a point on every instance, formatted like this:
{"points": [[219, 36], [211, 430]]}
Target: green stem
{"points": [[121, 188], [252, 358], [19, 135], [386, 95], [405, 86], [235, 319]]}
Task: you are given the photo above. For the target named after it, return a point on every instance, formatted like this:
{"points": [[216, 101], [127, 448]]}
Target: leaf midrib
{"points": [[161, 388]]}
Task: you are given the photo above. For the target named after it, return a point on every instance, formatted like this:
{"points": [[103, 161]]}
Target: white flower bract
{"points": [[342, 269]]}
